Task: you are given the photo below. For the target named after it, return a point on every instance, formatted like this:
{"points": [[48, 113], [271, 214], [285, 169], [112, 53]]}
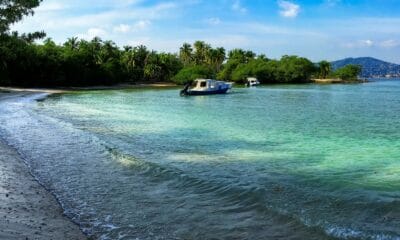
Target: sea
{"points": [[272, 162]]}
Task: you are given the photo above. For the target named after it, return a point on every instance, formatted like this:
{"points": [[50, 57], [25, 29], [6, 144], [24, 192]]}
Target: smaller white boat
{"points": [[251, 81], [206, 87]]}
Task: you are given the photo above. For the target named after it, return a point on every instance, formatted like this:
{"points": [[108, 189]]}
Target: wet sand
{"points": [[71, 89], [27, 210]]}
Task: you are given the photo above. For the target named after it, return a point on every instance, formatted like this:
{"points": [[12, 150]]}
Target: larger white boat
{"points": [[206, 87]]}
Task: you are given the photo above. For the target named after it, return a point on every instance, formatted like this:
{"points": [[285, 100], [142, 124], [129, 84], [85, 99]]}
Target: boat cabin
{"points": [[206, 87], [208, 84], [252, 81]]}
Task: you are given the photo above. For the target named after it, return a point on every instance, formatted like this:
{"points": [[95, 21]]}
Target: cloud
{"points": [[367, 43], [141, 25], [59, 18], [122, 28], [138, 26], [237, 6], [288, 9], [140, 41], [93, 32], [389, 43], [213, 21]]}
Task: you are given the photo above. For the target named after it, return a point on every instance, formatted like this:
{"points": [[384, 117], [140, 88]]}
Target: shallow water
{"points": [[276, 162]]}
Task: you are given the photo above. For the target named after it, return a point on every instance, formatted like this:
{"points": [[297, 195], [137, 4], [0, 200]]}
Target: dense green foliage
{"points": [[348, 73], [325, 69], [289, 69], [82, 63], [12, 11], [190, 73]]}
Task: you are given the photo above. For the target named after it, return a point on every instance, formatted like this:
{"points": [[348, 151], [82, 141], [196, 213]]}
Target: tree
{"points": [[215, 58], [190, 73], [72, 43], [134, 60], [30, 37], [186, 54], [324, 69], [241, 72], [349, 72], [227, 69], [201, 51], [12, 11], [293, 69], [240, 55], [220, 57]]}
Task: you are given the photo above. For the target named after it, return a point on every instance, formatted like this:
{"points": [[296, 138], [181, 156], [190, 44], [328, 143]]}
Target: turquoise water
{"points": [[276, 162]]}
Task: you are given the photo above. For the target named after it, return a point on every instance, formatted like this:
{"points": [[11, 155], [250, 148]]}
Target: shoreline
{"points": [[336, 81], [27, 209], [55, 90]]}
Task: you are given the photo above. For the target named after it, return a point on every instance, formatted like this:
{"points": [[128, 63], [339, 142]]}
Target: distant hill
{"points": [[371, 67]]}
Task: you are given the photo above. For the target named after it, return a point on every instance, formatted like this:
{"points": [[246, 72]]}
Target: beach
{"points": [[27, 209]]}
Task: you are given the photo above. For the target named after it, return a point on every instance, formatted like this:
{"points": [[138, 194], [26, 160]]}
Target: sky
{"points": [[316, 29]]}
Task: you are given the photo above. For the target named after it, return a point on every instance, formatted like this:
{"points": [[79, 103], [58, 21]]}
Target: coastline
{"points": [[94, 88], [336, 81], [27, 209]]}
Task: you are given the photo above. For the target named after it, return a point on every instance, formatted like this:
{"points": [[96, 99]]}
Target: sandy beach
{"points": [[27, 210], [71, 89]]}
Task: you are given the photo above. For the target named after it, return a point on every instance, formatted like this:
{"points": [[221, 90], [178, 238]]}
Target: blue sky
{"points": [[316, 29]]}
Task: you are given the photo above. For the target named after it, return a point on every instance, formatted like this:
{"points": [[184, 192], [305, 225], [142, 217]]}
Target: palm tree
{"points": [[127, 48], [201, 50], [134, 60], [185, 54], [141, 54], [152, 69], [249, 56], [324, 69], [220, 57], [238, 55], [215, 58], [72, 43], [262, 57], [108, 51]]}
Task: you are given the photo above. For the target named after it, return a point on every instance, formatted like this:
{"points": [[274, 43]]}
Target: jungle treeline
{"points": [[78, 62]]}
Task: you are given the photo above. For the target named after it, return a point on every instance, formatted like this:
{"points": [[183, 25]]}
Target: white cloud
{"points": [[122, 28], [288, 9], [141, 25], [213, 21], [59, 18], [140, 41], [93, 32], [389, 43], [237, 6], [360, 44], [367, 43]]}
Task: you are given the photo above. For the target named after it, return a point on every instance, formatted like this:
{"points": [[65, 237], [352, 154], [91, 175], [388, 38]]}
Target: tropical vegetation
{"points": [[78, 62]]}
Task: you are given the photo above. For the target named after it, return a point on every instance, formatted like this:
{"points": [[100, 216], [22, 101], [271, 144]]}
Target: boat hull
{"points": [[199, 93]]}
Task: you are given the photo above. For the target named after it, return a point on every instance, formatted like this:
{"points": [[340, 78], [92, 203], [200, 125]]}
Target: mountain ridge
{"points": [[371, 67]]}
